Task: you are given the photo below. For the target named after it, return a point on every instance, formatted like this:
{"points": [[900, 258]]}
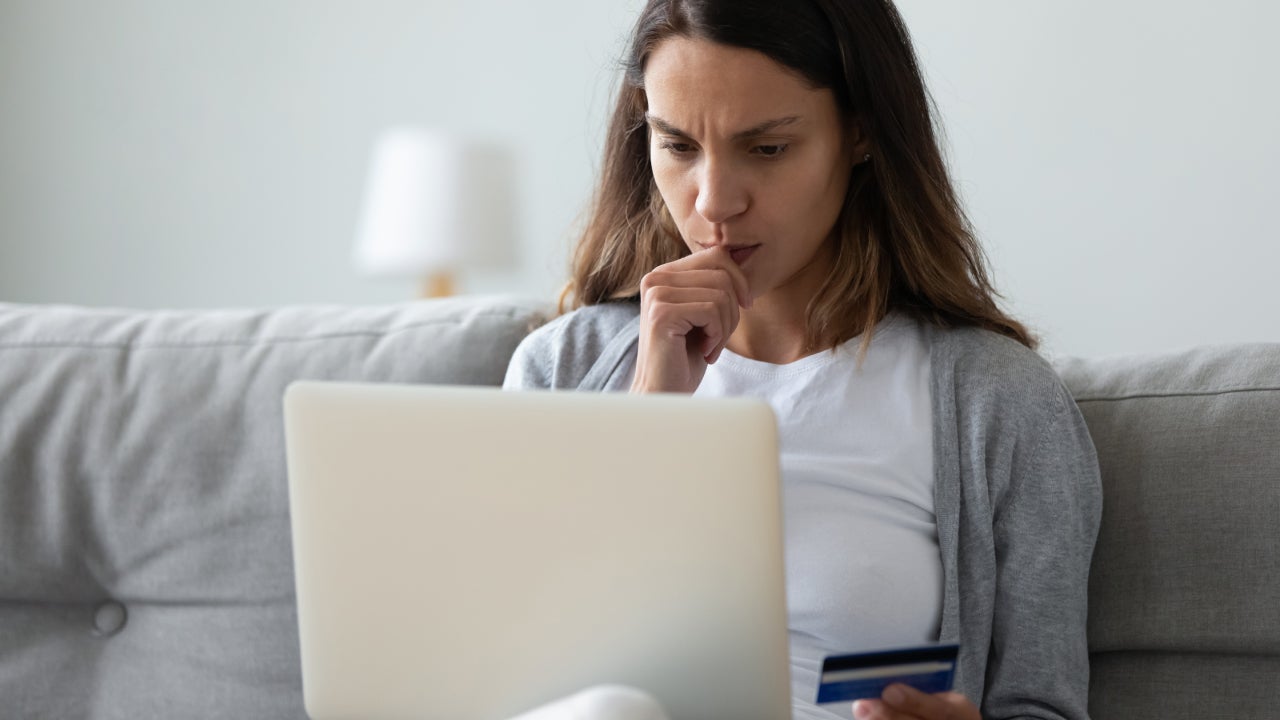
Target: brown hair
{"points": [[904, 241]]}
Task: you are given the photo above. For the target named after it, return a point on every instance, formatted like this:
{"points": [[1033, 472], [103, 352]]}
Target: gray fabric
{"points": [[141, 461], [1186, 574], [1017, 497], [1184, 686]]}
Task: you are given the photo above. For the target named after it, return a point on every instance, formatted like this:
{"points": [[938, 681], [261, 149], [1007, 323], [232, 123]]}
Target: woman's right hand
{"points": [[688, 311]]}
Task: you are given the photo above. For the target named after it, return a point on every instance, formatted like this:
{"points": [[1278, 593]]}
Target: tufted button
{"points": [[109, 619]]}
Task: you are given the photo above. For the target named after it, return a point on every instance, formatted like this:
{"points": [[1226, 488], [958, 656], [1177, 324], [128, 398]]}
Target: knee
{"points": [[601, 702], [617, 702]]}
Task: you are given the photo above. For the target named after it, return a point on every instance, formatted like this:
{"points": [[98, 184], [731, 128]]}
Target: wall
{"points": [[1118, 159], [1114, 156], [162, 153]]}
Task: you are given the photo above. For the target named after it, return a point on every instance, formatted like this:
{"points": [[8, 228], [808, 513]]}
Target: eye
{"points": [[769, 151], [676, 147]]}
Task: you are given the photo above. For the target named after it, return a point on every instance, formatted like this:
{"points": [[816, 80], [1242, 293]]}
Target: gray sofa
{"points": [[145, 564]]}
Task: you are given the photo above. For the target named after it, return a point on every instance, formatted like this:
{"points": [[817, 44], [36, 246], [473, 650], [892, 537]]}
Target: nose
{"points": [[721, 193]]}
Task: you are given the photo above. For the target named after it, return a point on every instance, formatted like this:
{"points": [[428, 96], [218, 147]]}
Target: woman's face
{"points": [[747, 155]]}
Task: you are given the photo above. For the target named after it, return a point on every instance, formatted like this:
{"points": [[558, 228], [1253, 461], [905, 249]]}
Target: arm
{"points": [[591, 348], [532, 365], [1044, 526]]}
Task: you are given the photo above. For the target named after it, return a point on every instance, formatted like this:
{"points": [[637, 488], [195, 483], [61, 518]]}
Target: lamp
{"points": [[434, 205]]}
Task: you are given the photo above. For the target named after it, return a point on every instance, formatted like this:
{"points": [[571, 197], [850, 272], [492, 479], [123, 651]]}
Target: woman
{"points": [[775, 219]]}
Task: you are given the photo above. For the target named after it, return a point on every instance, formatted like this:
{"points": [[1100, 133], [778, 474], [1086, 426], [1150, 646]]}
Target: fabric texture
{"points": [[146, 569], [1017, 498], [1186, 575], [144, 553], [871, 489]]}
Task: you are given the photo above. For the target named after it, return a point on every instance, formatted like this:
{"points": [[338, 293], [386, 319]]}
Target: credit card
{"points": [[864, 676]]}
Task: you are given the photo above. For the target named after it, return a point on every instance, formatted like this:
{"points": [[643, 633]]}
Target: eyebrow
{"points": [[769, 125]]}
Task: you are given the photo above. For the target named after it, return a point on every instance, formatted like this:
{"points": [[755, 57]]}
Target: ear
{"points": [[858, 141]]}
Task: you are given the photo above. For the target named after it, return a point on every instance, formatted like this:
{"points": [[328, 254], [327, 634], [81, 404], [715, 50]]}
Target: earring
{"points": [[866, 158]]}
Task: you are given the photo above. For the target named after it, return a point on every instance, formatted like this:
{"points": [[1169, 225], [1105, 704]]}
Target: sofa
{"points": [[145, 560]]}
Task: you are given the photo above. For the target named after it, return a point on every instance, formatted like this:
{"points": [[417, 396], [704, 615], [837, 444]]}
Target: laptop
{"points": [[472, 554]]}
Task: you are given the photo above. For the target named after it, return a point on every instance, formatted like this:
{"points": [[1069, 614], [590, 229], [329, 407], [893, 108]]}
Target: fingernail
{"points": [[861, 709], [894, 695]]}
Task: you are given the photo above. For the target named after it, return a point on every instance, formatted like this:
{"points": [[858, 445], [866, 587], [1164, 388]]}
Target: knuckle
{"points": [[652, 279], [660, 313], [657, 295]]}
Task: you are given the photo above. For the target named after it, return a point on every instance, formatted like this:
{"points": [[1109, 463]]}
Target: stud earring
{"points": [[866, 158]]}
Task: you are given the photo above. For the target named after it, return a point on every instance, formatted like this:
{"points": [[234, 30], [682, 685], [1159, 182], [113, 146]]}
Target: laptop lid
{"points": [[470, 553]]}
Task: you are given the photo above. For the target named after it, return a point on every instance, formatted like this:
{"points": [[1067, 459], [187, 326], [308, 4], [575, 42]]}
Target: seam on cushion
{"points": [[1234, 654], [1205, 393], [144, 601], [246, 342]]}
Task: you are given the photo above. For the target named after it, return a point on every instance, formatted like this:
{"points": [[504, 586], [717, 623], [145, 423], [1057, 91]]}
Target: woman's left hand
{"points": [[900, 702]]}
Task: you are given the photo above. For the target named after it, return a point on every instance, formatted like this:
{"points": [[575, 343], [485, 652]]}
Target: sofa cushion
{"points": [[145, 568], [1187, 568]]}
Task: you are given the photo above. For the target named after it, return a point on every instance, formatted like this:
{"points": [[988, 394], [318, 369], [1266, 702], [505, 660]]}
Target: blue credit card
{"points": [[864, 676]]}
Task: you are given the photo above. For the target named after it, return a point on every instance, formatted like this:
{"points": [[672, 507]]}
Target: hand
{"points": [[900, 702], [688, 311]]}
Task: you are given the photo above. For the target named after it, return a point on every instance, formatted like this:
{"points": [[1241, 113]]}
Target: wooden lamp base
{"points": [[439, 285]]}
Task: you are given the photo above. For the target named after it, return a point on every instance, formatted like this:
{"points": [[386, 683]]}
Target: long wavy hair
{"points": [[903, 243]]}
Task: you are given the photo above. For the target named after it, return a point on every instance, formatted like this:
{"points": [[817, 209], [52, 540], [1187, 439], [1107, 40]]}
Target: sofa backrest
{"points": [[1184, 591], [145, 559]]}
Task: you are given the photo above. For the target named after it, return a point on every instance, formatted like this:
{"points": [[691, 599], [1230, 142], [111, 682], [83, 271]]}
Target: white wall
{"points": [[1119, 158], [162, 153], [1116, 156]]}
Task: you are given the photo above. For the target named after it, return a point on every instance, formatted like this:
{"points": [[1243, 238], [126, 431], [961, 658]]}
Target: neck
{"points": [[773, 330]]}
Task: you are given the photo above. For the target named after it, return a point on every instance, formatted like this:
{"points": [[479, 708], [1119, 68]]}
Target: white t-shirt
{"points": [[862, 561]]}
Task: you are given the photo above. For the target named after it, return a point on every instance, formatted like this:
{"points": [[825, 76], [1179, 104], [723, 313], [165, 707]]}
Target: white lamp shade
{"points": [[435, 204]]}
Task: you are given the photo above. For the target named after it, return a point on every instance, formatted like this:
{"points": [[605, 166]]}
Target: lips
{"points": [[741, 254]]}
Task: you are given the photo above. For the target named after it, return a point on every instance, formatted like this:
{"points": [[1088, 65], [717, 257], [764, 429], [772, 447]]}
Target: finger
{"points": [[712, 277], [740, 284], [868, 709], [668, 308], [716, 278], [909, 701], [718, 270], [715, 258], [877, 710], [915, 705], [961, 707], [677, 312]]}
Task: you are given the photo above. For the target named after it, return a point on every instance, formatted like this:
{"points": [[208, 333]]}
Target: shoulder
{"points": [[988, 371], [585, 331], [1013, 414], [1009, 409], [562, 352]]}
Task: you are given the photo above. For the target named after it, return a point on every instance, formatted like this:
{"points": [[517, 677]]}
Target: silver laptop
{"points": [[472, 554]]}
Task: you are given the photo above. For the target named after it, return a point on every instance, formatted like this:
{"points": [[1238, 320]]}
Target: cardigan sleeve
{"points": [[532, 365], [588, 349], [1044, 527]]}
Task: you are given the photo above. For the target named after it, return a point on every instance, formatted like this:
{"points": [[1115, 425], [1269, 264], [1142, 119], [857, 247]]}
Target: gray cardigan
{"points": [[1017, 495]]}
